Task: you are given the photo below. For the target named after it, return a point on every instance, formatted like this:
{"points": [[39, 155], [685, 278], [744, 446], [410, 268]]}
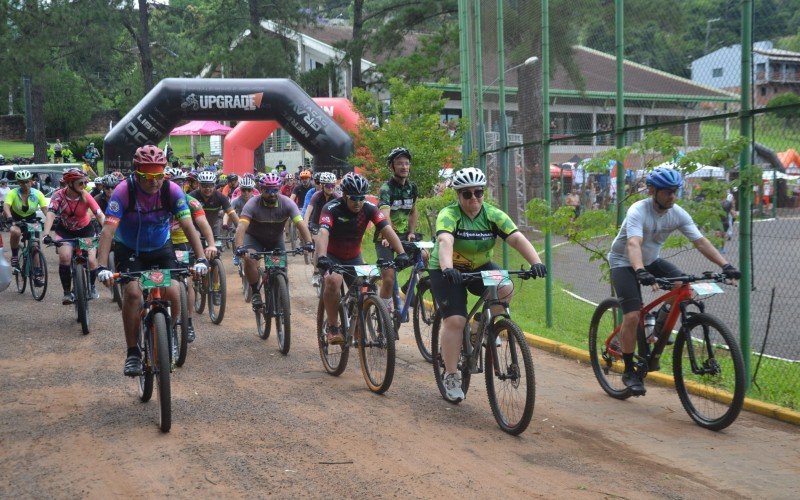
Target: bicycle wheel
{"points": [[246, 290], [162, 371], [200, 285], [37, 292], [334, 357], [21, 275], [375, 342], [424, 311], [217, 311], [283, 316], [180, 334], [709, 372], [607, 365], [510, 380], [80, 289], [438, 362], [146, 378], [116, 289]]}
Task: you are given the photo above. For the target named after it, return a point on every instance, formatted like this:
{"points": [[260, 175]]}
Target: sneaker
{"points": [[333, 335], [452, 387], [216, 298], [69, 298], [133, 366], [15, 263], [315, 280], [93, 295], [190, 335], [256, 301], [633, 381], [235, 260]]}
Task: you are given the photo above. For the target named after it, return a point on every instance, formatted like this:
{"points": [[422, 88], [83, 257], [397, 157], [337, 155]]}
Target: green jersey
{"points": [[399, 199], [474, 238]]}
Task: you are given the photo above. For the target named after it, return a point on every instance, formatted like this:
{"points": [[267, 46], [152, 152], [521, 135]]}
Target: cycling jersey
{"points": [[299, 192], [102, 200], [317, 202], [215, 206], [474, 238], [145, 227], [73, 214], [307, 200], [399, 199], [238, 204], [24, 207], [346, 229], [177, 235], [265, 222], [286, 190]]}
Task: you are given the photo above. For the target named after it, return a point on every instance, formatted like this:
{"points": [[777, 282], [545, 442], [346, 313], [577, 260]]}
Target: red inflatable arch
{"points": [[242, 141]]}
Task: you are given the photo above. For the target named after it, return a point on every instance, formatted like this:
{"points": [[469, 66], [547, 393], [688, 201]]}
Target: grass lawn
{"points": [[10, 149], [770, 131]]}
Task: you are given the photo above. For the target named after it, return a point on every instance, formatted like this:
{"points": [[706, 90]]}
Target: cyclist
{"points": [[288, 185], [634, 256], [192, 182], [138, 216], [232, 183], [75, 210], [398, 202], [241, 196], [108, 183], [91, 155], [214, 203], [300, 190], [20, 205], [325, 194], [261, 230], [4, 189], [466, 232], [342, 225], [315, 186]]}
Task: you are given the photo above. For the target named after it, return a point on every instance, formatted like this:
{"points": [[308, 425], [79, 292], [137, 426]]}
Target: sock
{"points": [[92, 277], [66, 277], [189, 321], [134, 351], [628, 359], [15, 252], [254, 288]]}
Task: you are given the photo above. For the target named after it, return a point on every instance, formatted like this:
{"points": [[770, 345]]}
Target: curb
{"points": [[753, 405]]}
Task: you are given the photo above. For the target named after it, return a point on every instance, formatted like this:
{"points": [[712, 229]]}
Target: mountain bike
{"points": [[506, 359], [32, 263], [366, 325], [275, 304], [180, 334], [116, 289], [707, 363], [212, 286], [79, 269], [155, 338]]}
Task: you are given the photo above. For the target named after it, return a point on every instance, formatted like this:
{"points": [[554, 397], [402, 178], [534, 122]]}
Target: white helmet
{"points": [[327, 178], [468, 177], [207, 177], [247, 183]]}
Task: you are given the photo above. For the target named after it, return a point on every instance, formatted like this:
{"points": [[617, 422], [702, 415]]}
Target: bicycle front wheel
{"points": [[181, 333], [438, 362], [79, 286], [607, 359], [21, 274], [200, 286], [510, 381], [38, 292], [116, 288], [283, 316], [375, 341], [162, 370], [148, 362], [709, 372], [424, 311], [334, 357], [216, 305]]}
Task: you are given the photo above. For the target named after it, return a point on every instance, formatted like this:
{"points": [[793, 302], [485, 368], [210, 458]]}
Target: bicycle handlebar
{"points": [[476, 275], [276, 252], [178, 272], [670, 283]]}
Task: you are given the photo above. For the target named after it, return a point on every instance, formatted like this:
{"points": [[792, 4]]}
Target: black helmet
{"points": [[354, 184], [397, 152]]}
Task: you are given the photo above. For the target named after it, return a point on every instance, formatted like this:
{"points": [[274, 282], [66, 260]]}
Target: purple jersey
{"points": [[266, 223]]}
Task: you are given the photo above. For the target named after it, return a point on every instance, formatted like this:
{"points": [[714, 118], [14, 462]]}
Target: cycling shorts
{"points": [[252, 243], [127, 261], [87, 231], [627, 286], [452, 300]]}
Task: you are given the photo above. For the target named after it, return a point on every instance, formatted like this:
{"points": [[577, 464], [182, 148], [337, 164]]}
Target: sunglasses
{"points": [[329, 186], [81, 183], [246, 190], [150, 177], [356, 198], [209, 185], [467, 195], [271, 191]]}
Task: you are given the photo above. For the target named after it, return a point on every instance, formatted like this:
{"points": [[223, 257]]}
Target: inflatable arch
{"points": [[242, 141], [280, 100]]}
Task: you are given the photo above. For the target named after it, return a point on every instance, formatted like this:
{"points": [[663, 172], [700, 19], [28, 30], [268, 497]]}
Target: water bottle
{"points": [[661, 319], [649, 328]]}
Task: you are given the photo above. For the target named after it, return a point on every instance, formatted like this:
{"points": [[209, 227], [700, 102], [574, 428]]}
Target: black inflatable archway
{"points": [[176, 99]]}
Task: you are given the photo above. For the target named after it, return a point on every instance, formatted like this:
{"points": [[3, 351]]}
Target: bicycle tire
{"points": [[606, 366], [162, 371], [116, 288], [145, 385], [376, 348], [438, 362], [79, 286], [217, 312], [423, 317], [21, 275], [283, 324], [503, 377], [334, 357], [38, 292], [200, 286], [720, 389], [181, 334]]}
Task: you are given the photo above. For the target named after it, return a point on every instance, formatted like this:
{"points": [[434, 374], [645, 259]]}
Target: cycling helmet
{"points": [[109, 181], [73, 174], [305, 174], [354, 184], [247, 183], [192, 175], [91, 144], [207, 177], [468, 177], [98, 180], [232, 177], [149, 155], [23, 175], [665, 178], [178, 175], [289, 177], [316, 177], [327, 178], [271, 181], [396, 153], [283, 174]]}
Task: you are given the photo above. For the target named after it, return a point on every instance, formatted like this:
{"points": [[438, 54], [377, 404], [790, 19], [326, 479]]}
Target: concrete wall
{"points": [[12, 127]]}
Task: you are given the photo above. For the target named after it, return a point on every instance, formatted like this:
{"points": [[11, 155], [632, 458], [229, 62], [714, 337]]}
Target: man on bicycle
{"points": [[466, 232], [215, 204], [75, 210], [139, 216], [300, 190], [261, 228], [634, 256], [342, 226], [321, 197], [20, 205], [398, 203]]}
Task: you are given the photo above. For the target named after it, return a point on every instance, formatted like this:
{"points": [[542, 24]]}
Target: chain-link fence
{"points": [[691, 90]]}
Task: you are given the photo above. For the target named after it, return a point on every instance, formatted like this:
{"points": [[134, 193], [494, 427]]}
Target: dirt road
{"points": [[249, 422]]}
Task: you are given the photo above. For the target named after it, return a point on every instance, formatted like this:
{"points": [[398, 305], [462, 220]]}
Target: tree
{"points": [[789, 114]]}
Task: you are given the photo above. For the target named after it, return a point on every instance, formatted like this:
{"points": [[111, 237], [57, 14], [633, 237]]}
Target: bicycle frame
{"points": [[416, 269], [353, 301], [484, 305]]}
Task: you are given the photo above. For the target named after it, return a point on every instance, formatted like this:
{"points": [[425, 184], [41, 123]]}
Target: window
{"points": [[716, 72], [763, 91]]}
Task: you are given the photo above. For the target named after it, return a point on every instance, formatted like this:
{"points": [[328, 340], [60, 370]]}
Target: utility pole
{"points": [[708, 31]]}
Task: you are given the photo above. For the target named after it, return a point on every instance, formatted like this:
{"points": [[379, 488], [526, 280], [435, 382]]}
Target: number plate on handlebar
{"points": [[423, 244], [275, 261], [34, 226], [706, 289], [155, 279], [367, 270], [494, 278], [87, 243], [182, 256]]}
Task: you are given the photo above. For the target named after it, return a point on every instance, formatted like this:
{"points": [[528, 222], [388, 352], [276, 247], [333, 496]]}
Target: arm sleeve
{"points": [[445, 222], [377, 217], [195, 208], [326, 219], [688, 228], [384, 197], [180, 209], [41, 198], [504, 226], [92, 204], [634, 222]]}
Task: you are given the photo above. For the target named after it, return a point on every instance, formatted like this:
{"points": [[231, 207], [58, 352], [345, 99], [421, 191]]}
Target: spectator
{"points": [[574, 201], [57, 151]]}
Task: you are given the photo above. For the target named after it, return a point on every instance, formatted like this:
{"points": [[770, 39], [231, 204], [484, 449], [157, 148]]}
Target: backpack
{"points": [[165, 198]]}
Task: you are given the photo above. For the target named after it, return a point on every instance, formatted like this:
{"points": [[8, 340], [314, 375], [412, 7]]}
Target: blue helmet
{"points": [[665, 178]]}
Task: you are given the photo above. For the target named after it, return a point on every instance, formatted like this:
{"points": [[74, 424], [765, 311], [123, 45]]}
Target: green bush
{"points": [[79, 145]]}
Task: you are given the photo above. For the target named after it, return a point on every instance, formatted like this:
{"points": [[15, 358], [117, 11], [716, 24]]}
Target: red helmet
{"points": [[73, 174], [149, 155]]}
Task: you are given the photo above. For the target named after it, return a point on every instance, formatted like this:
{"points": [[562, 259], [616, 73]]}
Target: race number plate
{"points": [[275, 260], [182, 256], [706, 289], [34, 227], [155, 279], [494, 278], [87, 243], [367, 270]]}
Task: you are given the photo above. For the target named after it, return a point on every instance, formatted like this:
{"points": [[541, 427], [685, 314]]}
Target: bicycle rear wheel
{"points": [[145, 385], [334, 357], [79, 285], [216, 312], [376, 348], [246, 290], [283, 316], [116, 289], [21, 275], [424, 311], [438, 362], [180, 334], [709, 372], [607, 363], [37, 292], [200, 286], [510, 380], [162, 371]]}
